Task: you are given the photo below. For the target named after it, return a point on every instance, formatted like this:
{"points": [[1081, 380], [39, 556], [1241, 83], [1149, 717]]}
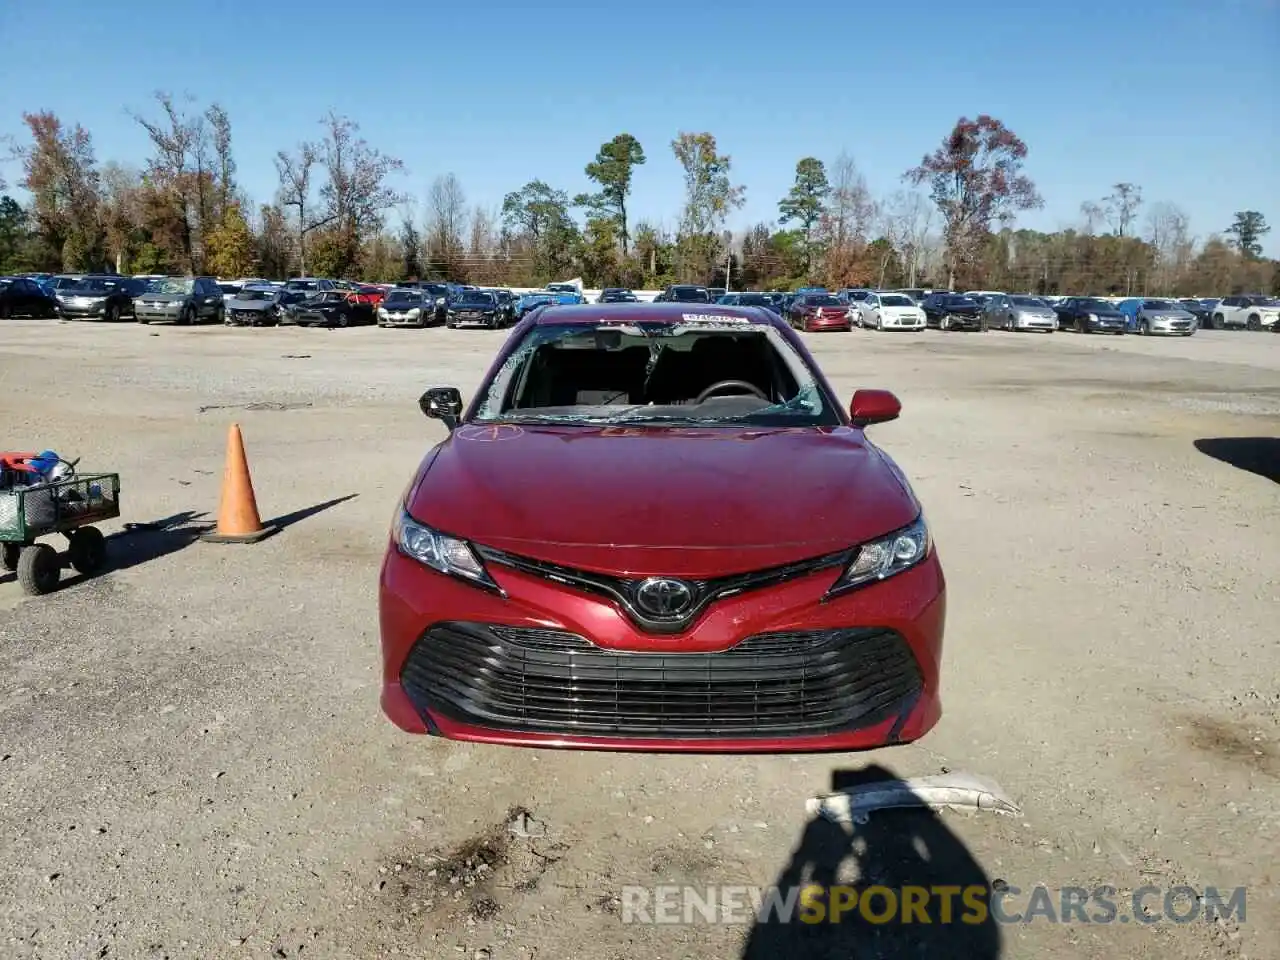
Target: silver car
{"points": [[1163, 317], [182, 300], [1014, 313]]}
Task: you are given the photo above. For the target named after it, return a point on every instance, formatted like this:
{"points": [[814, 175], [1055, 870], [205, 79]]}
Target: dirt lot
{"points": [[194, 764]]}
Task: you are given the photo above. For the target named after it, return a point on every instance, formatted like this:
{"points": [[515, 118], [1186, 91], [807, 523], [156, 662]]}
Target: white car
{"points": [[1251, 312], [890, 311]]}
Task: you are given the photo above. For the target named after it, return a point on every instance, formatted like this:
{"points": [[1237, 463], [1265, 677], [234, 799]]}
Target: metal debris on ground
{"points": [[957, 791], [257, 405], [523, 825]]}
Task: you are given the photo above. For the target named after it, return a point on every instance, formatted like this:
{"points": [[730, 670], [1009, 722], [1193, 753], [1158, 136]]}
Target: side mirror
{"points": [[873, 406], [442, 403]]}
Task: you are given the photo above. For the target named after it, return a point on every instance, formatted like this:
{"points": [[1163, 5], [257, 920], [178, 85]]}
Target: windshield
{"points": [[476, 298], [303, 285], [960, 301], [1264, 302], [753, 299], [256, 293], [406, 297], [690, 295], [1096, 305], [175, 285], [656, 373], [1159, 305], [229, 288], [895, 300], [99, 287], [823, 301], [1028, 302]]}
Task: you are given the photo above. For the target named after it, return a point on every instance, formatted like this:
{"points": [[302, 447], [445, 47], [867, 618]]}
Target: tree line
{"points": [[336, 212]]}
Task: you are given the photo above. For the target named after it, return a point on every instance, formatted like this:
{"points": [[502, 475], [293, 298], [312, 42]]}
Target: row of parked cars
{"points": [[314, 301], [304, 301]]}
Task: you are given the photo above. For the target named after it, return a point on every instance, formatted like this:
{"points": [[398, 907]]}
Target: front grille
{"points": [[624, 590], [801, 683]]}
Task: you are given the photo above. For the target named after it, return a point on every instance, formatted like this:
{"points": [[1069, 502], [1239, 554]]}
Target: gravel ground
{"points": [[194, 764]]}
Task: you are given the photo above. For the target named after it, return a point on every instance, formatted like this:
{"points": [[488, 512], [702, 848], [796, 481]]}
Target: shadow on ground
{"points": [[289, 519], [140, 543], [1260, 455], [895, 849]]}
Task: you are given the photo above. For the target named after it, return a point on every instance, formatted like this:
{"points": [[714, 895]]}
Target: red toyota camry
{"points": [[655, 528]]}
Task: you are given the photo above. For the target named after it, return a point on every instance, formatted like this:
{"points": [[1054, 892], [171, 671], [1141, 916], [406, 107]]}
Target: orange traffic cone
{"points": [[238, 520]]}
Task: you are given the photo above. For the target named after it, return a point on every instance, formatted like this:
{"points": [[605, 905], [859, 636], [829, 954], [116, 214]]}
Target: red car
{"points": [[367, 295], [820, 311], [655, 528]]}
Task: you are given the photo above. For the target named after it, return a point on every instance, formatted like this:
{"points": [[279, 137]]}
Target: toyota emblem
{"points": [[664, 598]]}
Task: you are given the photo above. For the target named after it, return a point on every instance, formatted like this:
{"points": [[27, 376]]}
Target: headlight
{"points": [[382, 311], [880, 559], [415, 311], [438, 551], [439, 301], [1093, 318]]}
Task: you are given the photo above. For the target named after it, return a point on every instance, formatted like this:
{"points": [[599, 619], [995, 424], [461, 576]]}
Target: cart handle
{"points": [[35, 456]]}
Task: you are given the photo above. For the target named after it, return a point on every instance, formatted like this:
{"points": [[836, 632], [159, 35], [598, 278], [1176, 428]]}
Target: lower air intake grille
{"points": [[794, 684]]}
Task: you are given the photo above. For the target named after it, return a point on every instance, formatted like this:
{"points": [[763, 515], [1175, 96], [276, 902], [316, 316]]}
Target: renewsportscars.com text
{"points": [[941, 904]]}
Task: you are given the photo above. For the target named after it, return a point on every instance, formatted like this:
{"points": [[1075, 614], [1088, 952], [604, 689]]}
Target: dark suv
{"points": [[684, 293], [183, 300]]}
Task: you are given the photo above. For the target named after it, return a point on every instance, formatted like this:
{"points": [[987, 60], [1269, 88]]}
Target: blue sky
{"points": [[1179, 96]]}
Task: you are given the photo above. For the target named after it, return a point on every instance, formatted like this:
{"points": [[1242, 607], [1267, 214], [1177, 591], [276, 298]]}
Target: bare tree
{"points": [[446, 221], [483, 238], [850, 205], [906, 222], [356, 193], [1121, 207], [1167, 231], [294, 170], [1092, 214]]}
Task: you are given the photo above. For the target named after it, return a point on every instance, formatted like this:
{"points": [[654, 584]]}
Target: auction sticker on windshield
{"points": [[714, 318]]}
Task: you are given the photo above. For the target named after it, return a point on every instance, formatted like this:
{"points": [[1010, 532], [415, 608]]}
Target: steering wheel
{"points": [[739, 386]]}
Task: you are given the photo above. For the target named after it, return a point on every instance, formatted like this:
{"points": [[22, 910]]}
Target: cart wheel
{"points": [[39, 569], [9, 556], [88, 550]]}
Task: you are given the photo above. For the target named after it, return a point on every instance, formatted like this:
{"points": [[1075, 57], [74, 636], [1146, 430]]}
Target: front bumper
{"points": [[961, 321], [1034, 323], [402, 320], [770, 670], [1106, 326], [250, 318], [890, 322], [1171, 328], [148, 314], [473, 320], [819, 324], [76, 311]]}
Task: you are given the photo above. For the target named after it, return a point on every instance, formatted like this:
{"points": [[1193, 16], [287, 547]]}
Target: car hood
{"points": [[1170, 314], [250, 304], [680, 502], [164, 297]]}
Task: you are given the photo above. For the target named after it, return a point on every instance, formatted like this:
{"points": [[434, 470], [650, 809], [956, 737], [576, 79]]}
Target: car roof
{"points": [[653, 313]]}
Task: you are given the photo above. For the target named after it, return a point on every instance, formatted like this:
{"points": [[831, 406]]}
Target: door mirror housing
{"points": [[873, 406], [442, 403]]}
